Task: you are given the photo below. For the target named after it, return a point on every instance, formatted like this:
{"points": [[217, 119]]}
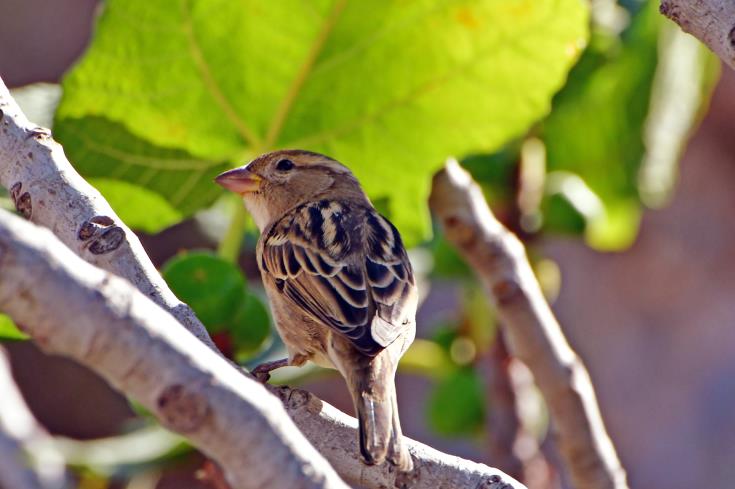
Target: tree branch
{"points": [[22, 437], [36, 167], [710, 21], [503, 425], [533, 334], [46, 189], [333, 434], [76, 309]]}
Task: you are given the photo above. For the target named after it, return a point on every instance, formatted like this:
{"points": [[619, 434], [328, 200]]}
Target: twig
{"points": [[710, 21], [503, 425], [531, 330], [22, 438], [76, 309], [68, 205]]}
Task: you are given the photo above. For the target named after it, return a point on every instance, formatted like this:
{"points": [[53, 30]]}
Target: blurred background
{"points": [[604, 140]]}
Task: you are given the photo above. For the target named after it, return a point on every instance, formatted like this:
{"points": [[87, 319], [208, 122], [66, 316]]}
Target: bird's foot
{"points": [[263, 371]]}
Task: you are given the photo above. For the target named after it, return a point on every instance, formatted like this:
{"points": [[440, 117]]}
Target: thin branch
{"points": [[23, 440], [70, 207], [532, 332], [75, 309], [710, 21], [503, 425]]}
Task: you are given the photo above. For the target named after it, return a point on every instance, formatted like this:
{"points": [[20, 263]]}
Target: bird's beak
{"points": [[239, 180]]}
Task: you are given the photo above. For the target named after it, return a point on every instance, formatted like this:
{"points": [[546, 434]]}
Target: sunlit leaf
{"points": [[9, 331], [213, 287], [100, 148], [596, 127], [389, 88], [137, 206], [621, 121]]}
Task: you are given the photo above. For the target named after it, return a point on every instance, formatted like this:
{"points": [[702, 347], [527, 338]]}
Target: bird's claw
{"points": [[263, 371]]}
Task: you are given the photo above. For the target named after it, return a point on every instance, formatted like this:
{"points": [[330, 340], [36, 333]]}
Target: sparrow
{"points": [[339, 282]]}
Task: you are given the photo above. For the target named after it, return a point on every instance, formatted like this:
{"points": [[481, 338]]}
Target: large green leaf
{"points": [[137, 206], [100, 148], [389, 88]]}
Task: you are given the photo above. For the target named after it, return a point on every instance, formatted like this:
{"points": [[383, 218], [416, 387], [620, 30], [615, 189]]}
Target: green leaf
{"points": [[250, 327], [389, 88], [137, 206], [9, 331], [213, 287], [596, 126], [621, 121], [101, 148], [457, 404]]}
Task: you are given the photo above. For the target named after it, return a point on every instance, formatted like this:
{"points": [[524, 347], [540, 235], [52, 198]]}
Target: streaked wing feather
{"points": [[346, 269]]}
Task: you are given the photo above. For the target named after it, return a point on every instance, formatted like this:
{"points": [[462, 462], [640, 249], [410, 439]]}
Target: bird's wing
{"points": [[346, 267]]}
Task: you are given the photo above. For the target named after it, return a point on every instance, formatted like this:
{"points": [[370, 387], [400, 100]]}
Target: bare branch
{"points": [[76, 309], [47, 190], [503, 425], [710, 21], [23, 440], [333, 432], [533, 334], [67, 204]]}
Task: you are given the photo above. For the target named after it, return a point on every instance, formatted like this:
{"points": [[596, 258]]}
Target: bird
{"points": [[339, 282]]}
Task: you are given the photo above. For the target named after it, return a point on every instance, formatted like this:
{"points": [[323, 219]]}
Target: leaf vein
{"points": [[209, 81], [301, 76]]}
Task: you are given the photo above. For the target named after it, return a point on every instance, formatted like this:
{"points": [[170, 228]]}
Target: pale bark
{"points": [[533, 334], [710, 21], [333, 434], [68, 205], [75, 309], [28, 459], [46, 189]]}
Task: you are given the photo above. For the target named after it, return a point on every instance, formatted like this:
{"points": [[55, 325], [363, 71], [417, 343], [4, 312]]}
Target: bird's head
{"points": [[278, 181]]}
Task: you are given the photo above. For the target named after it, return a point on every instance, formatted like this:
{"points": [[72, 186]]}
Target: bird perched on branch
{"points": [[339, 282]]}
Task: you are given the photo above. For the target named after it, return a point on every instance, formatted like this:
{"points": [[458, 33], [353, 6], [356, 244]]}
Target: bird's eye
{"points": [[284, 165]]}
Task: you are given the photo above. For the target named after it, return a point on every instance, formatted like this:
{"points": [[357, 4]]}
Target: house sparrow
{"points": [[339, 282]]}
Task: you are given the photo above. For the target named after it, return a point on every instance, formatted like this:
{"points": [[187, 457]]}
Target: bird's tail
{"points": [[374, 395]]}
